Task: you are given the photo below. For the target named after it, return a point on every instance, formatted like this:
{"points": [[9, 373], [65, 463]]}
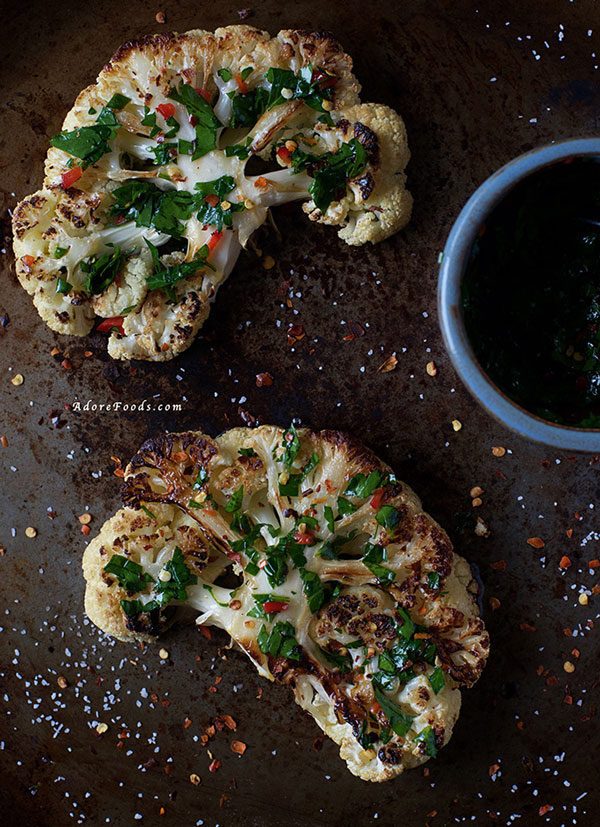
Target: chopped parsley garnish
{"points": [[207, 123], [388, 517], [313, 589], [118, 101], [165, 591], [247, 452], [201, 478], [235, 501], [427, 737], [210, 197], [433, 580], [89, 143], [59, 252], [306, 86], [343, 662], [147, 511], [149, 206], [363, 486], [241, 151], [225, 74], [373, 557], [149, 119], [291, 488], [185, 147], [437, 680], [130, 575], [290, 445], [63, 286], [331, 171], [181, 577], [163, 278], [400, 722], [407, 628], [101, 271], [345, 506], [329, 519], [280, 642], [164, 154]]}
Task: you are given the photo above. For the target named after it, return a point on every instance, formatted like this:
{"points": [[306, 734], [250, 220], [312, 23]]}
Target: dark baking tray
{"points": [[528, 736]]}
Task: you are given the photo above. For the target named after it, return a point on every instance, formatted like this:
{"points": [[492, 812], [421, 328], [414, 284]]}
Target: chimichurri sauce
{"points": [[531, 294]]}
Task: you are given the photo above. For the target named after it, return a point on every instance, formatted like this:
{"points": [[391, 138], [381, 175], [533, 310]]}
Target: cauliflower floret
{"points": [[379, 661], [377, 203], [128, 290]]}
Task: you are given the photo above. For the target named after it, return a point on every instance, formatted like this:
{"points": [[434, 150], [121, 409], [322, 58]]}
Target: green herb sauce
{"points": [[531, 294]]}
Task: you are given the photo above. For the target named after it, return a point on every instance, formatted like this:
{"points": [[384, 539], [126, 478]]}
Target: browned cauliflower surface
{"points": [[351, 594], [146, 203]]}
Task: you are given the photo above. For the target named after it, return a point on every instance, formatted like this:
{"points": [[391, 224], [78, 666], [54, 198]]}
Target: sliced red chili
{"points": [[68, 178], [214, 240], [167, 110], [273, 606], [28, 261], [241, 83], [377, 497], [107, 325]]}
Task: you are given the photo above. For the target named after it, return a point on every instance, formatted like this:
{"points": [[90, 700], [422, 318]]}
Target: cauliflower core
{"points": [[350, 593], [151, 162]]}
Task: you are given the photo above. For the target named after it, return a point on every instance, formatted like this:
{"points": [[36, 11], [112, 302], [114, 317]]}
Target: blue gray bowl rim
{"points": [[453, 264]]}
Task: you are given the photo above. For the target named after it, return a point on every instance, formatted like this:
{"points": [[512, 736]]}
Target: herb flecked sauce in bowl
{"points": [[531, 294]]}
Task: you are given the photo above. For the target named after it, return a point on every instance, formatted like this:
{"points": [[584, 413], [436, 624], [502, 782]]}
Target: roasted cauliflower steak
{"points": [[146, 202], [350, 593]]}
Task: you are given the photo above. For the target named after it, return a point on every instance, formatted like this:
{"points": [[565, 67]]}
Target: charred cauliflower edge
{"points": [[146, 204], [351, 594]]}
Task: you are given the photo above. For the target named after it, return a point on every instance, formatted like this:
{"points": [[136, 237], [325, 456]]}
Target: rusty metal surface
{"points": [[468, 80]]}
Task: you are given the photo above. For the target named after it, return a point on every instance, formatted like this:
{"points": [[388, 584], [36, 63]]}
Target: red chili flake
{"points": [[568, 699], [187, 722], [494, 603], [499, 565], [545, 808], [180, 456], [594, 564], [212, 200], [536, 542], [527, 627], [569, 533], [229, 722], [295, 333], [264, 380], [376, 499], [70, 177], [565, 562], [205, 632], [355, 331], [239, 747], [214, 765], [389, 365], [28, 261], [493, 769]]}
